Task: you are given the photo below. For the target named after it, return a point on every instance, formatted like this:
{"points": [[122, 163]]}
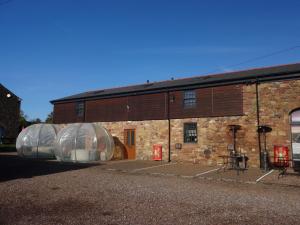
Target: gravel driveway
{"points": [[91, 195]]}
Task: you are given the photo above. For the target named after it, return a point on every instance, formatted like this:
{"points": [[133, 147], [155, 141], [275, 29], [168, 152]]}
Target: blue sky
{"points": [[51, 49]]}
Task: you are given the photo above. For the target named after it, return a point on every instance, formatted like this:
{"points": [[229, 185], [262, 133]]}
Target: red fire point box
{"points": [[157, 152], [281, 155]]}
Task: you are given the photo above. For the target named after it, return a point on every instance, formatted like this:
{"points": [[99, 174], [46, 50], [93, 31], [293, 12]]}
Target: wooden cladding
{"points": [[66, 113], [147, 107], [139, 107], [215, 101], [105, 110], [227, 100]]}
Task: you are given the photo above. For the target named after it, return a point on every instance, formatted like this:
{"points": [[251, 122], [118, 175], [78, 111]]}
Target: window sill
{"points": [[190, 143]]}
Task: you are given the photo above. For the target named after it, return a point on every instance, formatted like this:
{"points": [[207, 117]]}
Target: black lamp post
{"points": [[264, 129], [234, 128]]}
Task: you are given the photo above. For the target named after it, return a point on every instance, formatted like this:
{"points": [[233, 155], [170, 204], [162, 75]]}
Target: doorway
{"points": [[129, 140], [295, 131]]}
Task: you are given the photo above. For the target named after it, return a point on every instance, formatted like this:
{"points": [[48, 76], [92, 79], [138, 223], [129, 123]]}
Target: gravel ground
{"points": [[91, 195], [291, 178]]}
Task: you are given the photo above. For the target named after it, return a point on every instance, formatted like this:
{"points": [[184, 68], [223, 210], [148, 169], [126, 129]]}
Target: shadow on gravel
{"points": [[7, 148], [13, 167]]}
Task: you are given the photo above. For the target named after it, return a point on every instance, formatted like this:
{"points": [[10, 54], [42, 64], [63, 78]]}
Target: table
{"points": [[233, 162]]}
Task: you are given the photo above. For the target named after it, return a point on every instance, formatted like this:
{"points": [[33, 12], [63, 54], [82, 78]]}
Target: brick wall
{"points": [[9, 113]]}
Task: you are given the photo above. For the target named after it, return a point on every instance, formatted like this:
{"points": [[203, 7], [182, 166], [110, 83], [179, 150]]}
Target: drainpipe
{"points": [[169, 126], [84, 111], [258, 121]]}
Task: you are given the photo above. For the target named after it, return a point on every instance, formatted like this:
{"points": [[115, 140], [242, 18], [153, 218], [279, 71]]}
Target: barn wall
{"points": [[211, 102], [9, 114]]}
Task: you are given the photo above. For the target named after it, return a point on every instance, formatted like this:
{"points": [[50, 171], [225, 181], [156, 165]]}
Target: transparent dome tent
{"points": [[37, 141], [84, 142]]}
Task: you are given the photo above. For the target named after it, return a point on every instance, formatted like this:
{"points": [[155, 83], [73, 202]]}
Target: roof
{"points": [[289, 71], [9, 92]]}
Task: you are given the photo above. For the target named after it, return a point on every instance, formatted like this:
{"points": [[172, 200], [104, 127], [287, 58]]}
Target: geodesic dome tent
{"points": [[84, 142], [37, 141]]}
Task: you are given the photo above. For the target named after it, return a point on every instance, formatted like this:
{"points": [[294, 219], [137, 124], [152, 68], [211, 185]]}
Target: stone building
{"points": [[9, 115], [190, 117]]}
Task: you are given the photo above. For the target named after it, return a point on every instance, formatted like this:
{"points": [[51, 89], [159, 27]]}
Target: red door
{"points": [[129, 140]]}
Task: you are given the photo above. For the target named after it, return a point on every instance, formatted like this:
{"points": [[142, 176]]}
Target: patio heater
{"points": [[234, 128], [263, 130]]}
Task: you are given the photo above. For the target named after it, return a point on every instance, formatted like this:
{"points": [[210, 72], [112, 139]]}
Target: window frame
{"points": [[190, 126], [189, 99], [80, 109]]}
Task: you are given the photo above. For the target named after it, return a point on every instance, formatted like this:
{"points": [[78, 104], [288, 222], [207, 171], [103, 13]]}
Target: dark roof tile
{"points": [[212, 79]]}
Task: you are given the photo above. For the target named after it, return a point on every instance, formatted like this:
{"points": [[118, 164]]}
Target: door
{"points": [[296, 142], [129, 140], [295, 130]]}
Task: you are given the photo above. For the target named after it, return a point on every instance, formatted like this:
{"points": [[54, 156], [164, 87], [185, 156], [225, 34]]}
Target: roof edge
{"points": [[1, 85], [286, 69]]}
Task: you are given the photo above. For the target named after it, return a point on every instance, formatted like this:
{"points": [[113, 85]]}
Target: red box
{"points": [[281, 156], [157, 152]]}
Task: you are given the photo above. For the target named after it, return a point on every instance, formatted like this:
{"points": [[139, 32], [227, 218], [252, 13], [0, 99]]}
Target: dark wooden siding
{"points": [[216, 101], [66, 113], [148, 107], [139, 107], [227, 100], [203, 104], [104, 110]]}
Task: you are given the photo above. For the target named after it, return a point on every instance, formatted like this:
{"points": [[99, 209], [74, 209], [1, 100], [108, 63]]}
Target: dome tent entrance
{"points": [[37, 141], [84, 142]]}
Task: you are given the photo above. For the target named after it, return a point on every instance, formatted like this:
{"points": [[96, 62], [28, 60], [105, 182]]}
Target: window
{"points": [[190, 133], [295, 117], [80, 109], [130, 137], [189, 100]]}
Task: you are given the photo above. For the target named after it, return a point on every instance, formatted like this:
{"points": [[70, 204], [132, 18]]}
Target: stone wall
{"points": [[277, 100], [148, 133], [213, 135]]}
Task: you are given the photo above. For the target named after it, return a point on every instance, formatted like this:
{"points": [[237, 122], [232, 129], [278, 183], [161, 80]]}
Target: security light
{"points": [[8, 95]]}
